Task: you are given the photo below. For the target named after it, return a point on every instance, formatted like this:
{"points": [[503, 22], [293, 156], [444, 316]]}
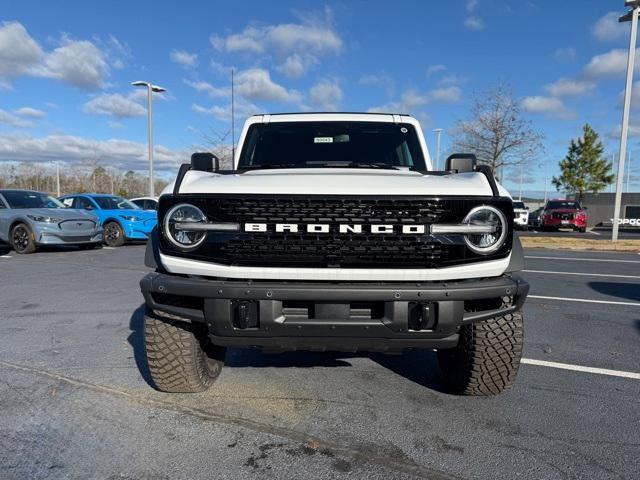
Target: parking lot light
{"points": [[151, 89], [632, 16]]}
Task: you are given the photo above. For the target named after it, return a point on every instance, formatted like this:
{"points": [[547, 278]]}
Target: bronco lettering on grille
{"points": [[342, 228]]}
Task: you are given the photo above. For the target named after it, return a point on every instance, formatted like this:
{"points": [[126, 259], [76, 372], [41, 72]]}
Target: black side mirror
{"points": [[205, 162], [461, 163]]}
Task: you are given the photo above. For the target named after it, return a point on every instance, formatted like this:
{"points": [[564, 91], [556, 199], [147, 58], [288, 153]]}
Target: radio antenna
{"points": [[233, 123]]}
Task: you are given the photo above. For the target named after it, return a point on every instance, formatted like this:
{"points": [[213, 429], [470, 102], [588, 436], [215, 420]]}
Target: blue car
{"points": [[121, 220]]}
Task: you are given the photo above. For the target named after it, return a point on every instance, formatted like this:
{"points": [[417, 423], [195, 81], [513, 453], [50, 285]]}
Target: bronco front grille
{"points": [[333, 249]]}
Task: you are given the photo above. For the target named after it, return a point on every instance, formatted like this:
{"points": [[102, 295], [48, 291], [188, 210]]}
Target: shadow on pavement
{"points": [[136, 339], [627, 291], [636, 324]]}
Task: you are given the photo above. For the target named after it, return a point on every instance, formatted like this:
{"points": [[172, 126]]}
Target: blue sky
{"points": [[66, 66]]}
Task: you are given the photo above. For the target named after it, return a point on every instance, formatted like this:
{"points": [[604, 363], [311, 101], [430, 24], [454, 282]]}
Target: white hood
{"points": [[337, 181]]}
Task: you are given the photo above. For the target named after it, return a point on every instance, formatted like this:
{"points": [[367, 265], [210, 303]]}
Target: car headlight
{"points": [[130, 218], [486, 242], [44, 219], [176, 226]]}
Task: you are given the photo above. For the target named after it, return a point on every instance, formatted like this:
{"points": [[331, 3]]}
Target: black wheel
{"points": [[583, 230], [486, 360], [180, 356], [22, 239], [113, 234]]}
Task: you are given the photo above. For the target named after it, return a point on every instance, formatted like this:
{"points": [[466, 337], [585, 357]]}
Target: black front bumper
{"points": [[332, 316]]}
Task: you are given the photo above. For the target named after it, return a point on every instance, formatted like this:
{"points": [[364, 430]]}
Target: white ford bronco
{"points": [[332, 232]]}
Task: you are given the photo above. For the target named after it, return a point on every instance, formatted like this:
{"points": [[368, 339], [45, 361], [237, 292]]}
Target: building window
{"points": [[632, 211]]}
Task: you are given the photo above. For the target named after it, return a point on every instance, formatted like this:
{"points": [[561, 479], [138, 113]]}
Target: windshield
{"points": [[332, 144], [17, 199], [557, 204], [115, 203], [519, 205]]}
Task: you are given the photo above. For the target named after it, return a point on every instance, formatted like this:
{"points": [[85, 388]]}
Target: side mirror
{"points": [[461, 163], [205, 162]]}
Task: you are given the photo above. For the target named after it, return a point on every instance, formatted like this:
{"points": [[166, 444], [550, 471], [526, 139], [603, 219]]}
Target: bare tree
{"points": [[496, 131], [219, 144]]}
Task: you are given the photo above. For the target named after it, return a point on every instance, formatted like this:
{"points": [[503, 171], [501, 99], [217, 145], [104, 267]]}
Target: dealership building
{"points": [[600, 208]]}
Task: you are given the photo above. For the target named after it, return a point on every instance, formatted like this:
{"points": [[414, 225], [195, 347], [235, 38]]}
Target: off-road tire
{"points": [[181, 358], [583, 230], [22, 240], [486, 360], [113, 234]]}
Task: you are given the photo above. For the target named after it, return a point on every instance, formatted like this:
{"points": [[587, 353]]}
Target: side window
{"points": [[150, 204], [82, 203], [2, 205]]}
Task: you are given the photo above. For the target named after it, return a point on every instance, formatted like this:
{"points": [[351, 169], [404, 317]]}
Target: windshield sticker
{"points": [[322, 139]]}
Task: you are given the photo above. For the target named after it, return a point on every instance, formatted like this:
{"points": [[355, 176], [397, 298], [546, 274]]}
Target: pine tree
{"points": [[584, 169]]}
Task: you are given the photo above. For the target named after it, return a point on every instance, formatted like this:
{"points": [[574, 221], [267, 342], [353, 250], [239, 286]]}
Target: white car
{"points": [[520, 215], [333, 232], [146, 203]]}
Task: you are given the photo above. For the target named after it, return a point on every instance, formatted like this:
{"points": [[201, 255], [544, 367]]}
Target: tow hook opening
{"points": [[246, 314], [422, 316]]}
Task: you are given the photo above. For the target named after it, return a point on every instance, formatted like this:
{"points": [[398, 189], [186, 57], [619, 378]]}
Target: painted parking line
{"points": [[5, 256], [580, 368], [108, 248], [551, 272], [582, 259], [584, 300]]}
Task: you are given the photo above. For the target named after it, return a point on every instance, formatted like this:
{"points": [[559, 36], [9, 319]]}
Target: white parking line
{"points": [[583, 259], [550, 272], [580, 368], [5, 256], [584, 300], [108, 248]]}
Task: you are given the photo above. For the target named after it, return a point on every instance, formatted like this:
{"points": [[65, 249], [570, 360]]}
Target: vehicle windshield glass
{"points": [[115, 203], [556, 204], [17, 199], [332, 144], [519, 205]]}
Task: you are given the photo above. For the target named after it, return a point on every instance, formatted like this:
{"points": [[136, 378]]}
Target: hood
{"points": [[144, 214], [63, 213], [336, 181]]}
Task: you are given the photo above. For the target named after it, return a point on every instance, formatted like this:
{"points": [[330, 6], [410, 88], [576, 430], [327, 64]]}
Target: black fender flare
{"points": [[152, 252], [517, 256]]}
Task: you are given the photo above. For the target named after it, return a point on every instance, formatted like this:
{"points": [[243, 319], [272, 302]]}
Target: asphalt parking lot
{"points": [[595, 234], [75, 401]]}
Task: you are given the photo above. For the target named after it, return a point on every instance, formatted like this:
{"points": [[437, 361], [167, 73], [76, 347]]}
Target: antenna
{"points": [[233, 123]]}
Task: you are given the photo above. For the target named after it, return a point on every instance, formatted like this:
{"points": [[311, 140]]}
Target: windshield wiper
{"points": [[270, 166], [383, 166]]}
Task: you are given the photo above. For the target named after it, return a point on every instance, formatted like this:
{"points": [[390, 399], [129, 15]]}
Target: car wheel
{"points": [[583, 230], [22, 239], [113, 234], [180, 356], [487, 357]]}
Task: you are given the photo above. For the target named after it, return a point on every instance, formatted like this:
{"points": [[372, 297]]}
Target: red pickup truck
{"points": [[563, 214]]}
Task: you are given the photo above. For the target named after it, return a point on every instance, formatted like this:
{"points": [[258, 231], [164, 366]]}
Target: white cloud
{"points": [[567, 87], [433, 69], [13, 120], [612, 63], [19, 53], [565, 54], [209, 89], [184, 58], [451, 80], [471, 5], [76, 62], [450, 94], [242, 110], [474, 23], [380, 80], [256, 84], [548, 106], [607, 28], [30, 112], [116, 105], [326, 95], [296, 47], [117, 153], [115, 125], [297, 65]]}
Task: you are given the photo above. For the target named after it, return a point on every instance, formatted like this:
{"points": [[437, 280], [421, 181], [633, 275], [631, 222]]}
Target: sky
{"points": [[66, 69]]}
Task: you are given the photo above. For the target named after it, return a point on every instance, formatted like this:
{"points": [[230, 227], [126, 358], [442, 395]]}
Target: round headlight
{"points": [[486, 242], [177, 223]]}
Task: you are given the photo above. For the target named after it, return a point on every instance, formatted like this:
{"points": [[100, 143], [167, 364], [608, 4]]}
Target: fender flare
{"points": [[152, 251], [517, 256]]}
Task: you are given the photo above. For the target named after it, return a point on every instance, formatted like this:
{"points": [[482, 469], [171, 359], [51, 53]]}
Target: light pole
{"points": [[631, 15], [628, 170], [521, 173], [151, 89], [58, 178], [438, 132]]}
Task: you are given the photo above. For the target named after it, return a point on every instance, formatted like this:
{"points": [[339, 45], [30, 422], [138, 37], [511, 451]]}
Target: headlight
{"points": [[130, 218], [43, 219], [176, 226], [486, 242]]}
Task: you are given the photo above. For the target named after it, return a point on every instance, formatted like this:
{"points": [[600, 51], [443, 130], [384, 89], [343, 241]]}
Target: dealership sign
{"points": [[634, 222]]}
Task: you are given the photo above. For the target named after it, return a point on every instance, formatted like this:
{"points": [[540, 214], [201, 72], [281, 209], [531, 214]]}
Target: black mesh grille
{"points": [[333, 249]]}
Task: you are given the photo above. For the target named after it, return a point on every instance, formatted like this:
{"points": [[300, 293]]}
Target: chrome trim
{"points": [[503, 234], [464, 228], [207, 227]]}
